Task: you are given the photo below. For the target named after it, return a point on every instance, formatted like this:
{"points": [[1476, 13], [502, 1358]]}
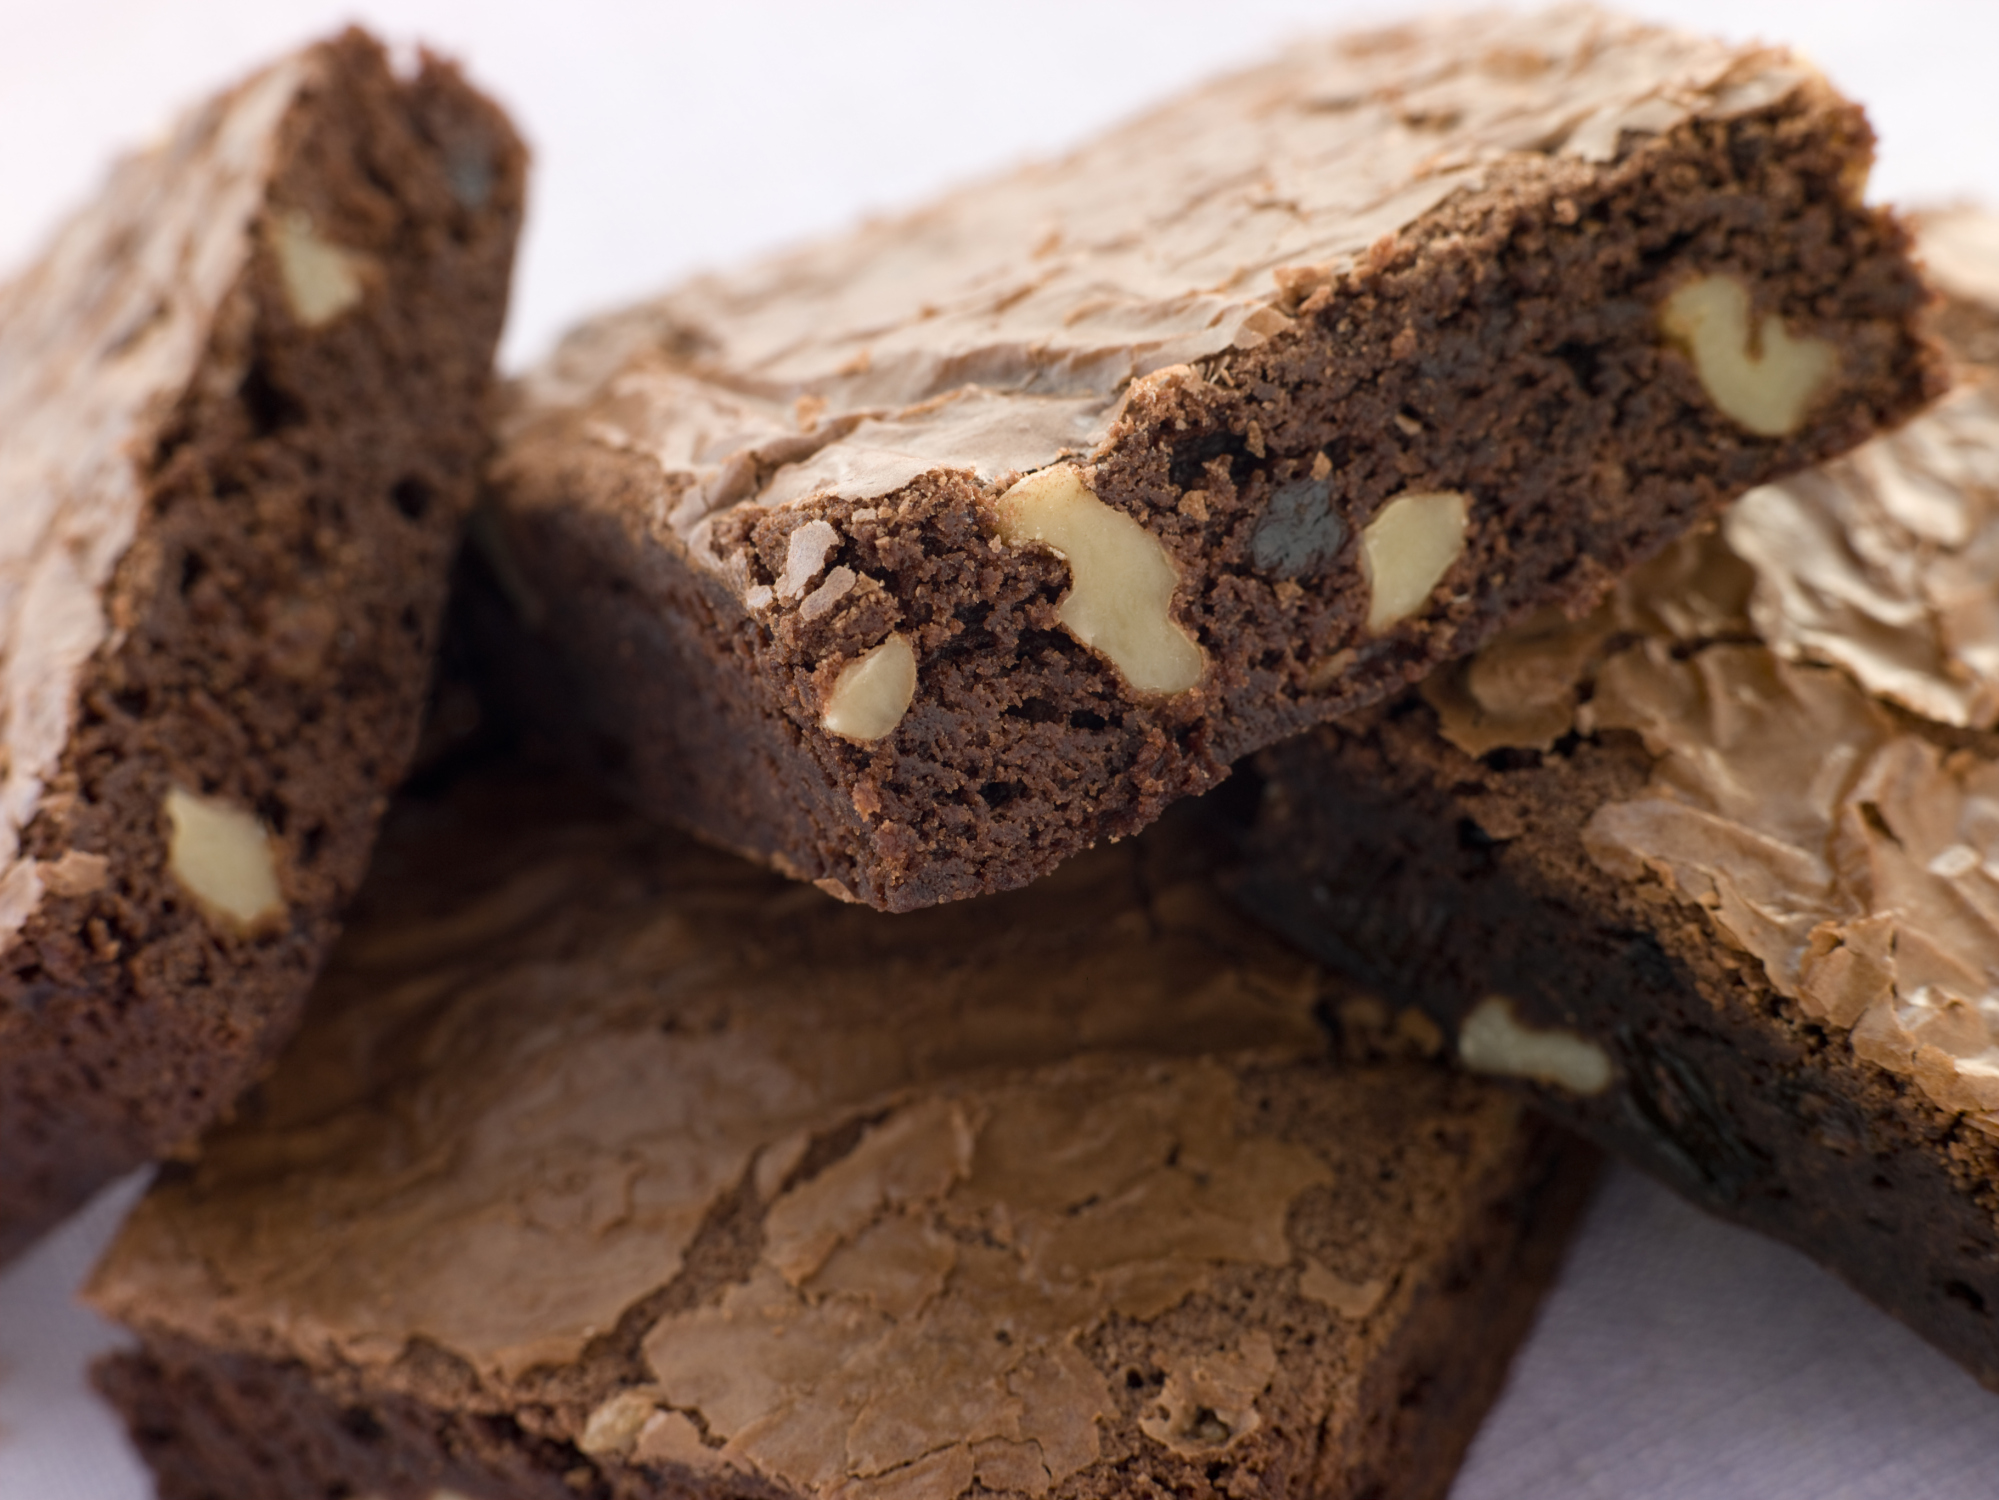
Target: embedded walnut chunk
{"points": [[1759, 375], [1121, 580], [1494, 1040], [321, 280], [614, 1426], [222, 856], [1408, 548], [872, 692]]}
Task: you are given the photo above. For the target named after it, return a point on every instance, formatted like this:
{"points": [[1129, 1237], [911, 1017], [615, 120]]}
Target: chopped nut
{"points": [[222, 856], [1407, 549], [1121, 580], [1493, 1040], [873, 692], [321, 280], [614, 1426], [1761, 378]]}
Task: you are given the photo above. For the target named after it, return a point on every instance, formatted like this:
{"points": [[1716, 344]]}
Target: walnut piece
{"points": [[1763, 379], [321, 280], [1121, 580], [1494, 1040], [1407, 549], [222, 856], [872, 692], [613, 1427]]}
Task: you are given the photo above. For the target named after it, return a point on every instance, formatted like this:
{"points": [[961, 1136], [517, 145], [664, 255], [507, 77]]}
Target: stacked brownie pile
{"points": [[810, 1037]]}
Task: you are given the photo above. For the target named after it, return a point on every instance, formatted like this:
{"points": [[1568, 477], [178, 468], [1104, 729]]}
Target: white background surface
{"points": [[1677, 1358]]}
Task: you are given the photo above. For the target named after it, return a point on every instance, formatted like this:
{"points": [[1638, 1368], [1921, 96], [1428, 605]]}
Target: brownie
{"points": [[1712, 871], [607, 1164], [915, 561], [245, 394]]}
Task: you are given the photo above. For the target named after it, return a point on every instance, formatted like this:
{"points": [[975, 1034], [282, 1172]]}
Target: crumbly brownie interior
{"points": [[1446, 879], [273, 629], [1507, 349]]}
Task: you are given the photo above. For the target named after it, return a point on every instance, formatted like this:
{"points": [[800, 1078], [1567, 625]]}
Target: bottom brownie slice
{"points": [[1716, 870], [607, 1164]]}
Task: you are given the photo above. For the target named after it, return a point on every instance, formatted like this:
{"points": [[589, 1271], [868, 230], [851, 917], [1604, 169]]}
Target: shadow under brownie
{"points": [[607, 1164], [918, 560], [244, 397], [1716, 870]]}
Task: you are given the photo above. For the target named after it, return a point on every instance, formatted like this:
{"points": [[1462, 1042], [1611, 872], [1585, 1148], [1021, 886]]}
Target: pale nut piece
{"points": [[222, 856], [613, 1426], [321, 280], [1407, 549], [872, 692], [1121, 580], [1494, 1040], [1764, 379]]}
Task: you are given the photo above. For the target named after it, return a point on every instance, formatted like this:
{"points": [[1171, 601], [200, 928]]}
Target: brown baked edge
{"points": [[1371, 851], [1514, 333], [279, 610], [218, 1422]]}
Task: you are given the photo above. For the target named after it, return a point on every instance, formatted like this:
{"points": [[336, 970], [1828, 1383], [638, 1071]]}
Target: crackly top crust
{"points": [[1794, 675], [998, 330], [99, 341], [545, 1058]]}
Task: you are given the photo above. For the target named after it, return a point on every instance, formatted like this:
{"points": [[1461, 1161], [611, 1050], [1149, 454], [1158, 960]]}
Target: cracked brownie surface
{"points": [[607, 1164], [1713, 867]]}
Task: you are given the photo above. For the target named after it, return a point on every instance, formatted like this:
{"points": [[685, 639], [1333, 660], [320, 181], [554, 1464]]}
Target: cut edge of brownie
{"points": [[1526, 314], [271, 625]]}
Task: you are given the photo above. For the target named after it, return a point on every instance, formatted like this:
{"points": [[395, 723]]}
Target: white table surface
{"points": [[1678, 1358]]}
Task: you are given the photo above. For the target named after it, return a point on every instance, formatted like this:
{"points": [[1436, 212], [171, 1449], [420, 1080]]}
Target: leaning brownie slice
{"points": [[918, 560], [243, 402], [1716, 870], [609, 1164]]}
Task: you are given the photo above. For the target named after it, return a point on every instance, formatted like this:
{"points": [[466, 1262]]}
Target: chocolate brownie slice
{"points": [[1716, 869], [916, 561], [243, 394], [609, 1164]]}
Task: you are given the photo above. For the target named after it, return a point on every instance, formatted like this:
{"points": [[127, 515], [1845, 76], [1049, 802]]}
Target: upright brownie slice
{"points": [[1717, 868], [609, 1165], [916, 561], [243, 404]]}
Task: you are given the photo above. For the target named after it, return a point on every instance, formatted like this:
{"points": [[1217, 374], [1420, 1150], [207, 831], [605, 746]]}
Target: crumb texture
{"points": [[249, 384], [1234, 420], [1734, 831]]}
